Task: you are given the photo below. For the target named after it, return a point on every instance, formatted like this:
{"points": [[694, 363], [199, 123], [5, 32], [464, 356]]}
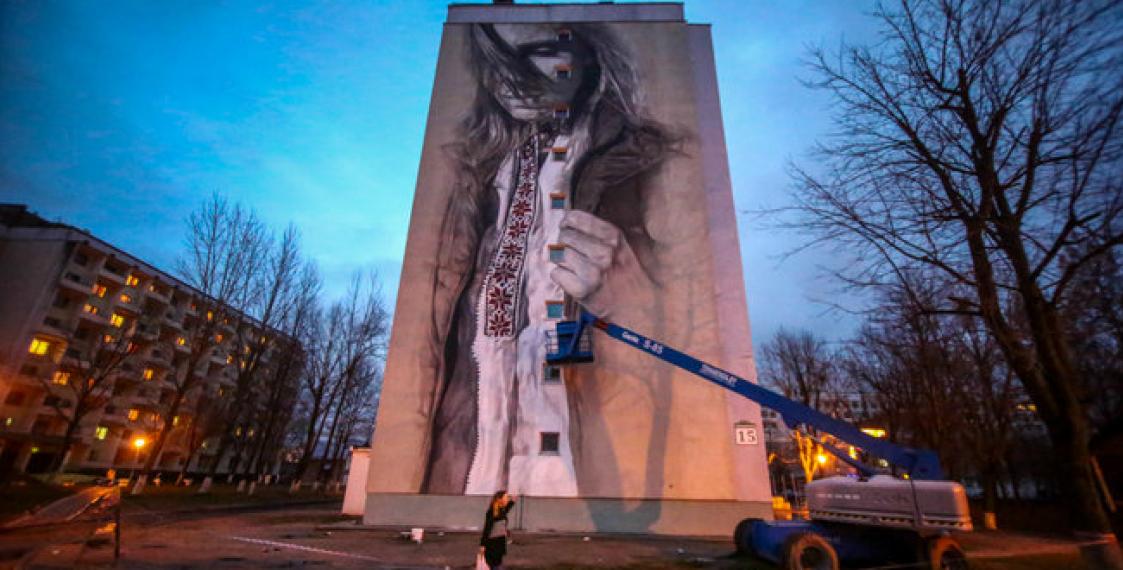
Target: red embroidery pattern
{"points": [[501, 286]]}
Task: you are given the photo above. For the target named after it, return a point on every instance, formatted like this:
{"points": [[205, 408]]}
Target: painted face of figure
{"points": [[557, 66]]}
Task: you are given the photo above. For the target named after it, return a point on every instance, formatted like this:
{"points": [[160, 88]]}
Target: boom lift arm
{"points": [[572, 345]]}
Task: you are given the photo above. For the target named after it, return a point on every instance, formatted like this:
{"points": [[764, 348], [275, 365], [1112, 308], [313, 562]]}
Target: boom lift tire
{"points": [[944, 553], [808, 551], [743, 537]]}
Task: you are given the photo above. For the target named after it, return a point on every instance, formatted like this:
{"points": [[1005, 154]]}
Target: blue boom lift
{"points": [[873, 519]]}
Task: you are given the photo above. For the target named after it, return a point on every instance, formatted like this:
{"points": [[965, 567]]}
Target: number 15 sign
{"points": [[744, 433]]}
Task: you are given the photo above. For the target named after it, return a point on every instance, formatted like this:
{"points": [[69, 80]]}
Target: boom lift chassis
{"points": [[870, 520]]}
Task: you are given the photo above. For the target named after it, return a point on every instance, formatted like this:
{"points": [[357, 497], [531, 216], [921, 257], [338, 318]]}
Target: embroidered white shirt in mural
{"points": [[516, 406]]}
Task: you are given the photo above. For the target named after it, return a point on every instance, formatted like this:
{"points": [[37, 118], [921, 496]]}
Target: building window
{"points": [[81, 259], [39, 347], [133, 414], [552, 374], [61, 302], [557, 253], [555, 309], [557, 201], [117, 320], [229, 358], [180, 341], [61, 378], [175, 421], [90, 309], [218, 337], [550, 443], [125, 298], [14, 398], [99, 290], [565, 35], [559, 152], [561, 112], [210, 314], [132, 280], [108, 339], [148, 372], [563, 71], [9, 421]]}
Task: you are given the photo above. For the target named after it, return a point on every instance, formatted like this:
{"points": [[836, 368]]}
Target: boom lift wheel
{"points": [[944, 553], [808, 551], [743, 536]]}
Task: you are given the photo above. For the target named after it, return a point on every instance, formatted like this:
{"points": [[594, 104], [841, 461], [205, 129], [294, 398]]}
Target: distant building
{"points": [[62, 291]]}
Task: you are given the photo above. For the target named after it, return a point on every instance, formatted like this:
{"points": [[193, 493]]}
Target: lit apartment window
{"points": [[99, 290], [132, 280], [175, 421], [210, 314], [148, 372], [229, 358], [126, 298], [133, 414], [238, 432], [90, 309], [8, 422], [108, 339], [117, 320], [557, 201], [249, 433], [61, 378], [180, 341], [218, 337], [39, 347], [561, 112], [101, 432], [563, 71]]}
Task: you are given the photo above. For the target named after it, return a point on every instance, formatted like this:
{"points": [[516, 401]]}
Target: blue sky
{"points": [[120, 117]]}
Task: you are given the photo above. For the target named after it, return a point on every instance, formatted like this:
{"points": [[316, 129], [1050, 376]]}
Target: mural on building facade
{"points": [[554, 164]]}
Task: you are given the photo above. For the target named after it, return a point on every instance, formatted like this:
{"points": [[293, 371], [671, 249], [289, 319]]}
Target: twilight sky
{"points": [[121, 116]]}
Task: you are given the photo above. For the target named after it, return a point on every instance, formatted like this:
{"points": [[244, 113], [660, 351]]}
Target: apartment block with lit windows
{"points": [[66, 298]]}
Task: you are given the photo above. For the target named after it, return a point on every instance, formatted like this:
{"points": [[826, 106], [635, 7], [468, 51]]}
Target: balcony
{"points": [[132, 306], [114, 415], [76, 282], [114, 275], [163, 297], [171, 319]]}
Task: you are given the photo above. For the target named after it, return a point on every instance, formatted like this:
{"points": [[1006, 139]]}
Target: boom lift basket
{"points": [[560, 345]]}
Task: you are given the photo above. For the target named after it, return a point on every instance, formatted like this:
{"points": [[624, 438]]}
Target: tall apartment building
{"points": [[72, 307]]}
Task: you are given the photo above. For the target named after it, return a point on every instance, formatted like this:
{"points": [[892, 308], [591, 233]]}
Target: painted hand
{"points": [[599, 268]]}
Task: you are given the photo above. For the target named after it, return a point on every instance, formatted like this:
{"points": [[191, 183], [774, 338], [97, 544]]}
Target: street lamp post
{"points": [[138, 444]]}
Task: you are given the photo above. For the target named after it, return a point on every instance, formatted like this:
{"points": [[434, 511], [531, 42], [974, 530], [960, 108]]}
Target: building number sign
{"points": [[745, 433]]}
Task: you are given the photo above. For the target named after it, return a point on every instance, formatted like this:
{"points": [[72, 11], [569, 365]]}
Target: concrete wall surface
{"points": [[552, 514]]}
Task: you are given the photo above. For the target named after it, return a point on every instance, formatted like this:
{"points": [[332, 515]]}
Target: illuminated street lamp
{"points": [[821, 458], [138, 444]]}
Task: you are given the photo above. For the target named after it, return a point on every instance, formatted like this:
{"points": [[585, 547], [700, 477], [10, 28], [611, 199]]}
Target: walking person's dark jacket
{"points": [[494, 536]]}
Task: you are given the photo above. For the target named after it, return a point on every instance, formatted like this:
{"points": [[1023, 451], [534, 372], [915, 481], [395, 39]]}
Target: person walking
{"points": [[493, 540]]}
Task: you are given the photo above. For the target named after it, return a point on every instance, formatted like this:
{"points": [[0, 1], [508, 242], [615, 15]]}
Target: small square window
{"points": [[551, 374], [561, 112], [557, 201], [550, 443], [557, 253], [559, 152], [565, 35], [563, 71], [101, 432], [555, 309]]}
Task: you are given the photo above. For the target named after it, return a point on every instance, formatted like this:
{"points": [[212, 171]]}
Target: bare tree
{"points": [[352, 338], [981, 139], [226, 245], [99, 367], [800, 365]]}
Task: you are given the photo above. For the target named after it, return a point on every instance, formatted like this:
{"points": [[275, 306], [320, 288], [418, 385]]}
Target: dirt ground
{"points": [[296, 537]]}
